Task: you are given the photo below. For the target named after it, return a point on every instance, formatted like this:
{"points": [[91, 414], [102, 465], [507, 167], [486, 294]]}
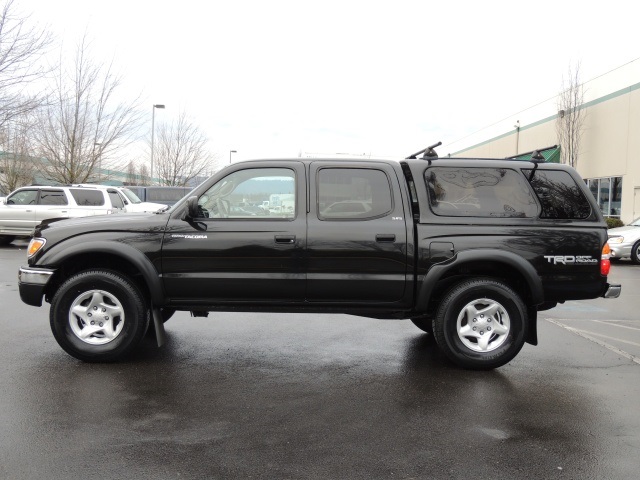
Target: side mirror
{"points": [[192, 207]]}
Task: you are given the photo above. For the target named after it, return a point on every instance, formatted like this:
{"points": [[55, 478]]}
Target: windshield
{"points": [[636, 222], [132, 197]]}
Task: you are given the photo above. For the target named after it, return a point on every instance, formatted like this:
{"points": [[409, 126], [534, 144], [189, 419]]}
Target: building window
{"points": [[608, 193]]}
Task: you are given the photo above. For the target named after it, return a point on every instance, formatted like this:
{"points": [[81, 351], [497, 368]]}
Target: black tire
{"points": [[110, 300], [6, 239], [474, 340], [635, 253], [424, 323]]}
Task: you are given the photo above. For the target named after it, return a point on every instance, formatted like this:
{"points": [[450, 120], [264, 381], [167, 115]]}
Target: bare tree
{"points": [[132, 177], [21, 47], [571, 115], [17, 164], [85, 125], [143, 173], [181, 152]]}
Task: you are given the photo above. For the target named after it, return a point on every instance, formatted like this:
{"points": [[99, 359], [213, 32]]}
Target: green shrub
{"points": [[614, 222]]}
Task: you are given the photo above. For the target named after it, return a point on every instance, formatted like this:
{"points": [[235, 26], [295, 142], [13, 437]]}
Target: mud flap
{"points": [[158, 324], [532, 326]]}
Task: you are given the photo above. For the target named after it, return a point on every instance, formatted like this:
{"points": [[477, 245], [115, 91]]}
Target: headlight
{"points": [[616, 239], [34, 246]]}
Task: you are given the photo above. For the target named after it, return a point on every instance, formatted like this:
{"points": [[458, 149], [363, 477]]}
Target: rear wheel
{"points": [[481, 324], [98, 316], [6, 239]]}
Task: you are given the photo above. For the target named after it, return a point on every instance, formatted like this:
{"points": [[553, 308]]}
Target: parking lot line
{"points": [[590, 336], [613, 323]]}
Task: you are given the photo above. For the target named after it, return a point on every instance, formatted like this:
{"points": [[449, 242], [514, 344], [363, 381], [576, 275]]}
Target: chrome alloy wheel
{"points": [[483, 325], [96, 317]]}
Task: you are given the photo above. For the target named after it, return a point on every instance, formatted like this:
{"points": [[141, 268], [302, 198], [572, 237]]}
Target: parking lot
{"points": [[307, 396]]}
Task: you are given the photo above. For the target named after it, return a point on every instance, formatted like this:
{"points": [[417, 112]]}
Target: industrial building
{"points": [[609, 151]]}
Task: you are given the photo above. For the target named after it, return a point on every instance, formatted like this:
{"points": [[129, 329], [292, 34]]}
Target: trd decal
{"points": [[570, 259]]}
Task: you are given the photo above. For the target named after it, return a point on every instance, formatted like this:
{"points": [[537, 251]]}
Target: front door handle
{"points": [[288, 239], [385, 237]]}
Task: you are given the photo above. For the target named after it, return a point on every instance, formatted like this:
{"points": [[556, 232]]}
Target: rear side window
{"points": [[52, 197], [353, 193], [87, 198], [479, 192], [559, 195]]}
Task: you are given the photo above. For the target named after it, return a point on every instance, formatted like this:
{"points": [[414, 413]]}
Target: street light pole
{"points": [[230, 152], [153, 116]]}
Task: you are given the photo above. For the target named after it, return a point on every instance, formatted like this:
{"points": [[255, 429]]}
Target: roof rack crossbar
{"points": [[429, 152], [536, 155]]}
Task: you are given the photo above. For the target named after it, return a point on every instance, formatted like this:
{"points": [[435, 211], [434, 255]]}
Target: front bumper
{"points": [[620, 250], [31, 284]]}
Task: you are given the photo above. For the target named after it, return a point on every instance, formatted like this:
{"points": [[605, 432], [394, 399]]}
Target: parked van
{"points": [[156, 194]]}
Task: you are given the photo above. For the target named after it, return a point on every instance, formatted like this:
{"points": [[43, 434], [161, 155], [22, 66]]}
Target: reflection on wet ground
{"points": [[309, 396]]}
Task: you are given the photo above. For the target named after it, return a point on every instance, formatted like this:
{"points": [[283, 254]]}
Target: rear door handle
{"points": [[289, 239], [385, 237]]}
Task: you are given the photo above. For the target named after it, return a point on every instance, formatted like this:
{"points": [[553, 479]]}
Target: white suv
{"points": [[26, 207], [129, 201]]}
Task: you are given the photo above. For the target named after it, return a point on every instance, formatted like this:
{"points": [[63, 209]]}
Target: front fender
{"points": [[62, 252]]}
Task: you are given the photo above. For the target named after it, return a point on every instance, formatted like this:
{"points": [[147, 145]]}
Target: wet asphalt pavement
{"points": [[321, 397]]}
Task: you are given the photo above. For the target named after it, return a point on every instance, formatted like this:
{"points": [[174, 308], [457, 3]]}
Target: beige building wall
{"points": [[610, 144]]}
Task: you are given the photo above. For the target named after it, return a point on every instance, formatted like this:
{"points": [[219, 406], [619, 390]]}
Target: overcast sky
{"points": [[274, 78]]}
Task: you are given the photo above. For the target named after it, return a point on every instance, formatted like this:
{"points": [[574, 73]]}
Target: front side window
{"points": [[353, 194], [23, 197], [132, 197], [479, 192], [52, 197], [252, 194], [87, 198], [559, 195], [116, 201]]}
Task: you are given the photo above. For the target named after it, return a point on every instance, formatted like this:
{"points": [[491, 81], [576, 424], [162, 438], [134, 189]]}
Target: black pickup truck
{"points": [[468, 249]]}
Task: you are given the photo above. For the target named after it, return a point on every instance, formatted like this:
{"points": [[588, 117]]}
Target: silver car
{"points": [[625, 241]]}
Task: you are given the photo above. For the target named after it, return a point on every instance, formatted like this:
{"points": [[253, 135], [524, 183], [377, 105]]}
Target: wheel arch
{"points": [[506, 266], [107, 255]]}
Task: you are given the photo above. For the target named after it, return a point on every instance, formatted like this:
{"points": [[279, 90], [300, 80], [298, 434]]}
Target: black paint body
{"points": [[394, 266]]}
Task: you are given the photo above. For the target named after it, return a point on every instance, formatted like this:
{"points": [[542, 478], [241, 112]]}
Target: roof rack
{"points": [[429, 152], [536, 155]]}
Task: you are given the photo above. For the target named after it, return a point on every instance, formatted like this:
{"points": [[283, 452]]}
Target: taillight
{"points": [[605, 263]]}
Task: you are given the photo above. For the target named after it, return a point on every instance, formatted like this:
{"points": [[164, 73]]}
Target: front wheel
{"points": [[481, 324], [98, 316], [635, 253]]}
